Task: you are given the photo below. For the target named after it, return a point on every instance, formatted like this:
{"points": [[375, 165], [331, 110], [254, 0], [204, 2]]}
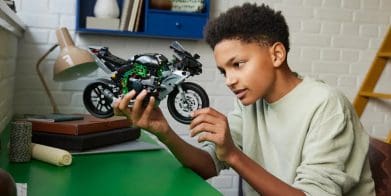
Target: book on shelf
{"points": [[87, 125], [138, 17], [53, 117], [137, 4], [125, 14]]}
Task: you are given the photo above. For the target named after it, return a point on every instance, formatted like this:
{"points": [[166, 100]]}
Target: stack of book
{"points": [[131, 15], [82, 132]]}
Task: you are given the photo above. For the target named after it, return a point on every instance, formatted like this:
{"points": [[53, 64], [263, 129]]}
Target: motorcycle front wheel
{"points": [[97, 98], [181, 104]]}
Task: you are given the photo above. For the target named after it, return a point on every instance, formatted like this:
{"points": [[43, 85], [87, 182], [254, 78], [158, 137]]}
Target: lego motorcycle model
{"points": [[152, 72]]}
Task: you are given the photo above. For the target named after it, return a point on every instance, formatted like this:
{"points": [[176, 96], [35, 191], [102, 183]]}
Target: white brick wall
{"points": [[334, 40], [8, 51]]}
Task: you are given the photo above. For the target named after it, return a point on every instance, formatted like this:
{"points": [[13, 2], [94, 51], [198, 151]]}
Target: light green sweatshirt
{"points": [[311, 139]]}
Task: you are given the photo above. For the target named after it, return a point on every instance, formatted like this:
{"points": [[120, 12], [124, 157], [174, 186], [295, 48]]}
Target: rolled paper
{"points": [[51, 155]]}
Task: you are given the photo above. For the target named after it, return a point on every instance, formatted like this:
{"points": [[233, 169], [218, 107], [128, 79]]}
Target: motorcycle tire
{"points": [[97, 98], [195, 98]]}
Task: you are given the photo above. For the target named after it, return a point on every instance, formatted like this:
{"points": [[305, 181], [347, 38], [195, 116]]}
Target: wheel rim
{"points": [[191, 102], [98, 101]]}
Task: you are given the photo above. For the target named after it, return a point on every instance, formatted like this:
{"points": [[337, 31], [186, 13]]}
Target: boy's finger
{"points": [[137, 107], [207, 137], [123, 105], [150, 106], [207, 110], [203, 127], [201, 119]]}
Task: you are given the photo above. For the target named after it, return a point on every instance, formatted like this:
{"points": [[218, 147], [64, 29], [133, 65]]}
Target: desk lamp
{"points": [[71, 63]]}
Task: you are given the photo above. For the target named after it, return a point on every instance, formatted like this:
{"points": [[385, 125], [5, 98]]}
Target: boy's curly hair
{"points": [[248, 23]]}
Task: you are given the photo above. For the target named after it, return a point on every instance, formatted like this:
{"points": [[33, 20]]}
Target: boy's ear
{"points": [[278, 54]]}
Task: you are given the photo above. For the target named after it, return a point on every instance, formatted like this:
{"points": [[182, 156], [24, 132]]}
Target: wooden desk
{"points": [[127, 173]]}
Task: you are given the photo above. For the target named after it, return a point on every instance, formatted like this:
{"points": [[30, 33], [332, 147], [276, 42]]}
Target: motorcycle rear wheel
{"points": [[97, 98]]}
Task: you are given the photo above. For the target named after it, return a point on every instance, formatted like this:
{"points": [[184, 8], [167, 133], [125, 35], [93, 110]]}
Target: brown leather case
{"points": [[88, 125]]}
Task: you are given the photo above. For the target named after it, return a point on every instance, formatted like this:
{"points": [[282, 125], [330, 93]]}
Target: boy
{"points": [[287, 135]]}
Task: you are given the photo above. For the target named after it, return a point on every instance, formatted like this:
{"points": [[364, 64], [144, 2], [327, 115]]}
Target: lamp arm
{"points": [[51, 98]]}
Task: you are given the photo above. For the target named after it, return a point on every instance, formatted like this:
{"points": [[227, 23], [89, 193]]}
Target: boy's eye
{"points": [[238, 64]]}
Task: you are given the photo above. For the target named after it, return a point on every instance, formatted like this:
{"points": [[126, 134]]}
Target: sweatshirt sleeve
{"points": [[334, 152]]}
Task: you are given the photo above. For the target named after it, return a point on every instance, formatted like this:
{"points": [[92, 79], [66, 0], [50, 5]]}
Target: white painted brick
{"points": [[39, 6], [68, 21], [350, 29], [331, 28], [9, 68], [347, 81], [350, 42], [311, 26], [36, 35], [374, 43], [330, 79], [301, 66], [294, 52], [372, 117], [385, 5], [332, 3], [367, 56], [295, 11], [314, 3], [62, 97], [370, 4], [311, 40], [330, 67], [369, 30], [310, 53], [374, 17], [9, 43], [31, 51], [334, 15], [294, 25], [350, 55], [77, 99], [62, 6], [40, 20], [351, 4], [359, 68], [330, 54]]}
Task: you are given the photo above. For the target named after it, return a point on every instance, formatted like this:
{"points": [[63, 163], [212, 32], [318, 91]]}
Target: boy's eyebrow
{"points": [[229, 61]]}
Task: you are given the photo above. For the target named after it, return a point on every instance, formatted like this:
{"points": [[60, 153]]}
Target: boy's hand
{"points": [[212, 126], [147, 117]]}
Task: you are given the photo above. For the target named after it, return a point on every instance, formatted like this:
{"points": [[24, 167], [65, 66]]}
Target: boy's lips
{"points": [[240, 93]]}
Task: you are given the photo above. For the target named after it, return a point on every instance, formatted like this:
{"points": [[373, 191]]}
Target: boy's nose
{"points": [[229, 80]]}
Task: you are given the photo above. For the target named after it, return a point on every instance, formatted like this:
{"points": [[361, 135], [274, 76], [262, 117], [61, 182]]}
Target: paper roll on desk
{"points": [[51, 155]]}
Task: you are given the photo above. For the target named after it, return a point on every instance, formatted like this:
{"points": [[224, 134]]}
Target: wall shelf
{"points": [[154, 22]]}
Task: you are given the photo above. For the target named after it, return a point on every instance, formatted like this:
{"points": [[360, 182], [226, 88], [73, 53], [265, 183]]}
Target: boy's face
{"points": [[248, 69]]}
